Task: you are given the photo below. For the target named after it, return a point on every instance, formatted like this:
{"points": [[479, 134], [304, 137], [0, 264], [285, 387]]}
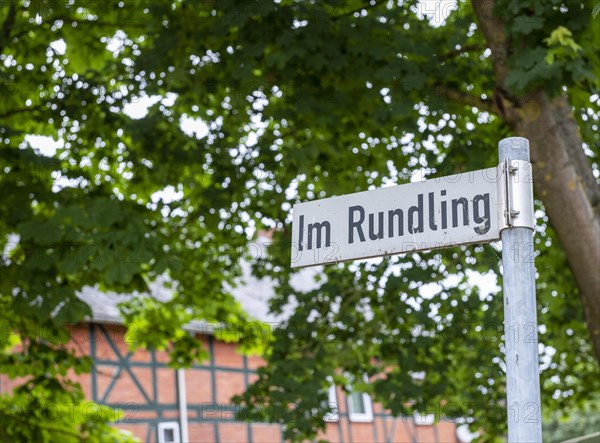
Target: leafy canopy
{"points": [[300, 100]]}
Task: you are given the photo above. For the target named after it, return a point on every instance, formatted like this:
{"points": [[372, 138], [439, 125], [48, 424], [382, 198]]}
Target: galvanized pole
{"points": [[520, 319]]}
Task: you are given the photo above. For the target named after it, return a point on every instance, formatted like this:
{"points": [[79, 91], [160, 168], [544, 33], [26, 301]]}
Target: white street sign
{"points": [[474, 207], [441, 212]]}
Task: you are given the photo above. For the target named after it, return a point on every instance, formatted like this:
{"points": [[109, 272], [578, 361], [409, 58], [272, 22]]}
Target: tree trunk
{"points": [[564, 181]]}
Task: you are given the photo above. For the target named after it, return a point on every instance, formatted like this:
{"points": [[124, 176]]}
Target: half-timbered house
{"points": [[166, 405]]}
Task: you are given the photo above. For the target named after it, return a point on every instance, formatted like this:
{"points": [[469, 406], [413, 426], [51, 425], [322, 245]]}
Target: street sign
{"points": [[437, 213], [474, 207]]}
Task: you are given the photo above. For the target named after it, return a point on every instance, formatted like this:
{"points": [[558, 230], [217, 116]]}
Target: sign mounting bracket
{"points": [[516, 193]]}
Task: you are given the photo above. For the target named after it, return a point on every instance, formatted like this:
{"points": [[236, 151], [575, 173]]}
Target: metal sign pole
{"points": [[520, 318]]}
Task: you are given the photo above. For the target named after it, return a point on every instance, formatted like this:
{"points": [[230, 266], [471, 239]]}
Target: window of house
{"points": [[168, 432], [360, 408], [424, 420], [332, 401]]}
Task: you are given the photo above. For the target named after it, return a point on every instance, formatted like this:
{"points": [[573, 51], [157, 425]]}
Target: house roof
{"points": [[252, 293]]}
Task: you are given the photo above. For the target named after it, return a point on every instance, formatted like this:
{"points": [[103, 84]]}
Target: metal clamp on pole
{"points": [[516, 194]]}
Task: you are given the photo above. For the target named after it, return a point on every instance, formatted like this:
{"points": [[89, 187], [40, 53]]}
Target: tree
{"points": [[300, 100]]}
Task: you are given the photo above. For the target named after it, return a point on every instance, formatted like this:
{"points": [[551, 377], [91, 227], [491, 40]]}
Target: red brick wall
{"points": [[209, 388]]}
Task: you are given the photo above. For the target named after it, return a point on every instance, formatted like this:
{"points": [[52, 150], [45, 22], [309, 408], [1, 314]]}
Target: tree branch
{"points": [[20, 110], [97, 23], [495, 35], [457, 52], [366, 7], [469, 99]]}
